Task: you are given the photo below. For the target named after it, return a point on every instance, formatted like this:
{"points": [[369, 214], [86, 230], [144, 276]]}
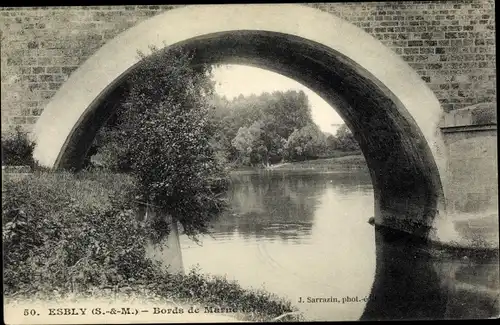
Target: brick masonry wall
{"points": [[451, 44]]}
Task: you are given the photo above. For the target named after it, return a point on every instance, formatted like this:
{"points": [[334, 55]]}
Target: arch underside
{"points": [[404, 173]]}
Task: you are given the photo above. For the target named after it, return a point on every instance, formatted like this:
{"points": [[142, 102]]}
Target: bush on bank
{"points": [[75, 233], [17, 149]]}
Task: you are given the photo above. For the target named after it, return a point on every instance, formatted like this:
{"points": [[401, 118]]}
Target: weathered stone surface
{"points": [[475, 115]]}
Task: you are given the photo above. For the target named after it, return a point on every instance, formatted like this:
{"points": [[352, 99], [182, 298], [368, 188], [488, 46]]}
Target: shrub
{"points": [[17, 149]]}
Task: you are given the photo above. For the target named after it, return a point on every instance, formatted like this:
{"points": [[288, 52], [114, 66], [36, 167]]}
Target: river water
{"points": [[305, 235], [296, 234]]}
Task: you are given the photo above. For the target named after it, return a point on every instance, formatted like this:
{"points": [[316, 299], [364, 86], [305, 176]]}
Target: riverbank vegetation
{"points": [[67, 234], [341, 163]]}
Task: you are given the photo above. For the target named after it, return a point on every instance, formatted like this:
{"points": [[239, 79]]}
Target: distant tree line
{"points": [[271, 128]]}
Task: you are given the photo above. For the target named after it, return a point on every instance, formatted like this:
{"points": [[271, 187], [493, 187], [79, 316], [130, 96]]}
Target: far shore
{"points": [[336, 164]]}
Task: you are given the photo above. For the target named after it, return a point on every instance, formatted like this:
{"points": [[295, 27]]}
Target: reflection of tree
{"points": [[272, 205], [359, 181]]}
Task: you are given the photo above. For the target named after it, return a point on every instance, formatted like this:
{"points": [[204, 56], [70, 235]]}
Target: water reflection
{"points": [[281, 205], [417, 281], [297, 235], [406, 285]]}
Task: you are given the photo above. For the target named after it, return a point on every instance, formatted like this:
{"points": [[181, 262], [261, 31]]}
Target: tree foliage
{"points": [[306, 143], [254, 129], [272, 127], [162, 134], [346, 140]]}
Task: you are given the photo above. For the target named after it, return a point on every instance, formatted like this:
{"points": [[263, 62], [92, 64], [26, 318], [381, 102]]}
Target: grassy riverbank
{"points": [[68, 235], [329, 164], [217, 298], [347, 162]]}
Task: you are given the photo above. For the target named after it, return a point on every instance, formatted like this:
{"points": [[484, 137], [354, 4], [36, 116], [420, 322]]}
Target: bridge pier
{"points": [[471, 179]]}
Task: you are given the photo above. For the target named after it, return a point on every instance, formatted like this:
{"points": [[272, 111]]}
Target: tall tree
{"points": [[163, 129], [277, 115], [249, 145]]}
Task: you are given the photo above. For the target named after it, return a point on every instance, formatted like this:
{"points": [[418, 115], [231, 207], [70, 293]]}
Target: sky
{"points": [[233, 80]]}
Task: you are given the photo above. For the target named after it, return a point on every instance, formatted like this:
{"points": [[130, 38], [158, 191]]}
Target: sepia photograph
{"points": [[265, 162]]}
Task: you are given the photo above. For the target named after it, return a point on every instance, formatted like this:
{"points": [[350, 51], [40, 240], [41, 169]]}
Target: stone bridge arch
{"points": [[389, 108]]}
